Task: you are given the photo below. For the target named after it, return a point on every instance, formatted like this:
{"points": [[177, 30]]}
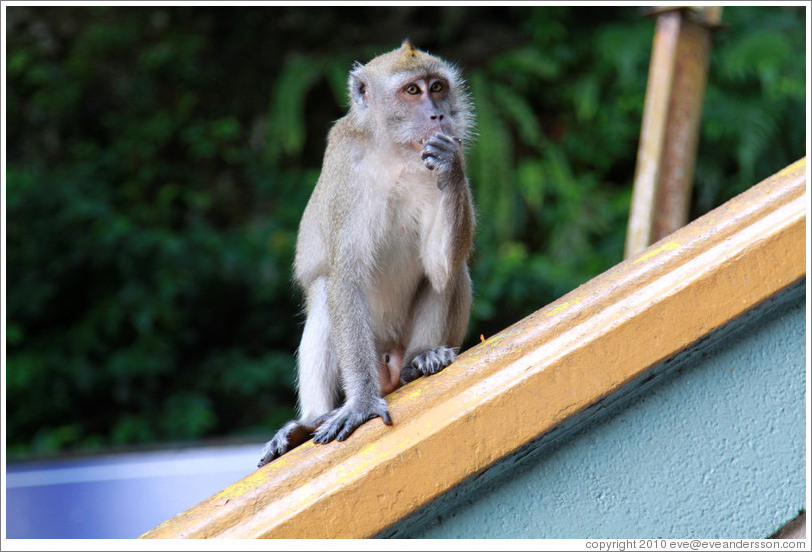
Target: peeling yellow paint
{"points": [[788, 170], [563, 306], [246, 484], [366, 457], [415, 392], [669, 246]]}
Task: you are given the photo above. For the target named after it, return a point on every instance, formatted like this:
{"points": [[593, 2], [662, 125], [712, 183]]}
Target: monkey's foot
{"points": [[427, 363], [348, 418], [290, 436]]}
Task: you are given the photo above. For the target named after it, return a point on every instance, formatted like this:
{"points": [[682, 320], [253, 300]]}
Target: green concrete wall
{"points": [[710, 444]]}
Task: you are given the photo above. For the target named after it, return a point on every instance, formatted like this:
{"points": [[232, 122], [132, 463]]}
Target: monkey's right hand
{"points": [[443, 153], [349, 417]]}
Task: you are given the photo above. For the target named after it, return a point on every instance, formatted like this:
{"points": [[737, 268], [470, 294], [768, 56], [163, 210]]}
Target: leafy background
{"points": [[159, 159]]}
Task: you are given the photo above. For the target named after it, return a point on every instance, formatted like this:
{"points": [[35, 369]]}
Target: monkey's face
{"points": [[426, 108], [407, 96], [418, 105]]}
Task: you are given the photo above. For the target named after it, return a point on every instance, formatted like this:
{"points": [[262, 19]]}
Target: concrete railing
{"points": [[525, 381]]}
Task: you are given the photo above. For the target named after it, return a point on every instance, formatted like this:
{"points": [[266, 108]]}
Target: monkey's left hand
{"points": [[443, 153], [349, 417]]}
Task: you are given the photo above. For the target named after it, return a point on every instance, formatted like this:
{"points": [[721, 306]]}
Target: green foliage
{"points": [[159, 160]]}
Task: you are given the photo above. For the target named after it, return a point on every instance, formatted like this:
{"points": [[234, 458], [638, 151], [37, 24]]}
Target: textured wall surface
{"points": [[714, 448]]}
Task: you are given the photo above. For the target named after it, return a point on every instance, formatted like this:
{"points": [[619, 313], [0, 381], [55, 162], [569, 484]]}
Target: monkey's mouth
{"points": [[417, 145]]}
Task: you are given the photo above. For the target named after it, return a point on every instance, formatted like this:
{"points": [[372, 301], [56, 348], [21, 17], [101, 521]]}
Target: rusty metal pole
{"points": [[670, 129]]}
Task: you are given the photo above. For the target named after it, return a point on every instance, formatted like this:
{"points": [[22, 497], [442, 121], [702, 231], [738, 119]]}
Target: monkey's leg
{"points": [[438, 327], [318, 378], [357, 357], [343, 421], [295, 432], [318, 367]]}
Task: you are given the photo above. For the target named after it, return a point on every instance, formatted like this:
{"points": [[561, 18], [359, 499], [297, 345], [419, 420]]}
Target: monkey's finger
{"points": [[387, 419], [331, 428], [345, 433], [268, 457], [435, 149], [429, 159], [326, 435], [444, 141], [409, 373], [351, 423]]}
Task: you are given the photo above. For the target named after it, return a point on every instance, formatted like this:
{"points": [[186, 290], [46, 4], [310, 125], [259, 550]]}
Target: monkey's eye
{"points": [[437, 86], [412, 89]]}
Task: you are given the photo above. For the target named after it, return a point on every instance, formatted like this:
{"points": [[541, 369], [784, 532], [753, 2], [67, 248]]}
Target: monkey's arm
{"points": [[449, 236], [440, 315]]}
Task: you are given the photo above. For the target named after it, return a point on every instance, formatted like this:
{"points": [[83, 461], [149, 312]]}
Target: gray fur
{"points": [[383, 244]]}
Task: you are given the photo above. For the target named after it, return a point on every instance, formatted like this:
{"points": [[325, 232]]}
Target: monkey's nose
{"points": [[438, 117]]}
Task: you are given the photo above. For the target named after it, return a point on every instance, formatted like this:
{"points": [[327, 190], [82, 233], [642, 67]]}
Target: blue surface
{"points": [[714, 448], [120, 496]]}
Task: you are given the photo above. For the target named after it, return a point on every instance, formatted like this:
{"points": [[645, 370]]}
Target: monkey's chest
{"points": [[397, 275]]}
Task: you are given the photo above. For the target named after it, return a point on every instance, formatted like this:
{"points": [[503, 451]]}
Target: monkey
{"points": [[383, 246]]}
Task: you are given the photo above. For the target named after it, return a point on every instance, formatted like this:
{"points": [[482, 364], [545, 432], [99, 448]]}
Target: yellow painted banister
{"points": [[526, 380]]}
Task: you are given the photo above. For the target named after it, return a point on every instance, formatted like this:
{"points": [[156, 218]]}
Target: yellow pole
{"points": [[671, 119]]}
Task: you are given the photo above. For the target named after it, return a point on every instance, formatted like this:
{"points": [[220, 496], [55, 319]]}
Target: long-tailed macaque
{"points": [[383, 246]]}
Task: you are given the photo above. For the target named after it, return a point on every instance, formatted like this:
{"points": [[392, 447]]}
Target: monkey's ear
{"points": [[359, 93]]}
